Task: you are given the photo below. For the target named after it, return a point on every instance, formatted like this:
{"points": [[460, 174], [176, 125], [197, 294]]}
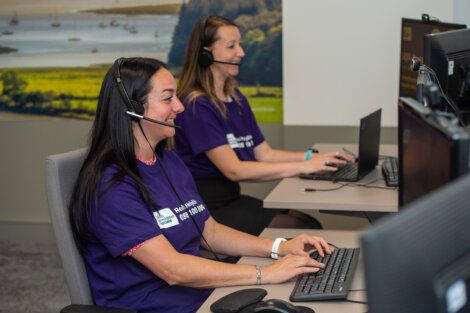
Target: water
{"points": [[41, 45]]}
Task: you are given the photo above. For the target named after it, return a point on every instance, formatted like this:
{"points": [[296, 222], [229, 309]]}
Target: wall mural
{"points": [[54, 53]]}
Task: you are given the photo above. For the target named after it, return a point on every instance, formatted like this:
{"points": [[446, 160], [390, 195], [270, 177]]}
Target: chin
{"points": [[170, 133], [234, 73]]}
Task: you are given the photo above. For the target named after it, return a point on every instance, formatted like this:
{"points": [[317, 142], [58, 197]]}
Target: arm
{"points": [[225, 159], [217, 235], [264, 153], [159, 256]]}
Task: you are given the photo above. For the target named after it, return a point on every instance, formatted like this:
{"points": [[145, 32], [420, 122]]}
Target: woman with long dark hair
{"points": [[221, 142], [137, 215]]}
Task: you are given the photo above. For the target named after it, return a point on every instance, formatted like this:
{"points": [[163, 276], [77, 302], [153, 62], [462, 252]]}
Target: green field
{"points": [[80, 88]]}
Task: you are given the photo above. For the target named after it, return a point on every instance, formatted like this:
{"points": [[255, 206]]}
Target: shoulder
{"points": [[241, 99], [107, 186], [199, 100], [200, 106]]}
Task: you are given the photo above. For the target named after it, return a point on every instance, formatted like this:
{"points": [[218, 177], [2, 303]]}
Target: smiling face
{"points": [[163, 105], [226, 48]]}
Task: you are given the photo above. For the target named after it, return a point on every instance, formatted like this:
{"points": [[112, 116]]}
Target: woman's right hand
{"points": [[323, 162], [288, 267]]}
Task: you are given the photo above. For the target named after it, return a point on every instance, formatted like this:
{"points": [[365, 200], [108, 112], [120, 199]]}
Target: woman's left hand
{"points": [[301, 244]]}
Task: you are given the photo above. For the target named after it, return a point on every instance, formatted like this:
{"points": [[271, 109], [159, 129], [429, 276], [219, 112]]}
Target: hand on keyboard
{"points": [[332, 281], [289, 267], [302, 243], [295, 260]]}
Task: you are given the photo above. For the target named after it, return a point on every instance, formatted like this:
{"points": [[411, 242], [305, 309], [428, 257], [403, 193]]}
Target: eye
{"points": [[168, 99]]}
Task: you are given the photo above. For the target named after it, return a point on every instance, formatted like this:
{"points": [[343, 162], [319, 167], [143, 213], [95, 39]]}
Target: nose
{"points": [[241, 52], [178, 107]]}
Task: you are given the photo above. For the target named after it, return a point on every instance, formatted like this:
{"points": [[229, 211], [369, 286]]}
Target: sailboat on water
{"points": [[14, 20], [74, 38], [55, 23]]}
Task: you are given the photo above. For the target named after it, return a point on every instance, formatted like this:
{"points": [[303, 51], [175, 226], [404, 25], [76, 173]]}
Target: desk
{"points": [[347, 239], [288, 193]]}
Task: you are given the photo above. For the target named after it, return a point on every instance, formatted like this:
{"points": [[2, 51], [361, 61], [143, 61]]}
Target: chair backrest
{"points": [[61, 173]]}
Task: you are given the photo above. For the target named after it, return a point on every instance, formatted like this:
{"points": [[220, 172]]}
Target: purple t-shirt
{"points": [[204, 128], [123, 220]]}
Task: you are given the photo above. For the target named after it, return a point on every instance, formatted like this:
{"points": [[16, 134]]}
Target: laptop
{"points": [[369, 142]]}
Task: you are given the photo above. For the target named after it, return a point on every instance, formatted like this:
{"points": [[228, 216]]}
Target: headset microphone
{"points": [[133, 114], [226, 62]]}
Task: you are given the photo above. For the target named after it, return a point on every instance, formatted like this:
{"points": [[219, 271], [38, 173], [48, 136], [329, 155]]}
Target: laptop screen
{"points": [[369, 141]]}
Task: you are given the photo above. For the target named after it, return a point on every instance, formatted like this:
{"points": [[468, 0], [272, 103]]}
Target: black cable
{"points": [[357, 289], [355, 301], [366, 185], [177, 194], [367, 217], [189, 213], [342, 185], [448, 100], [328, 189], [333, 245]]}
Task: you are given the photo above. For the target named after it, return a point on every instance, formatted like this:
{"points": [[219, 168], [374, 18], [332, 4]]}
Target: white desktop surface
{"points": [[289, 194]]}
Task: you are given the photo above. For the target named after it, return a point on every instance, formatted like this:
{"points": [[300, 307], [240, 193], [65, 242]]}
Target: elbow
{"points": [[172, 278], [232, 175]]}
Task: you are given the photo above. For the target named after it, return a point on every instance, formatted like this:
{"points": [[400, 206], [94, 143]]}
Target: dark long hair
{"points": [[196, 80], [112, 138]]}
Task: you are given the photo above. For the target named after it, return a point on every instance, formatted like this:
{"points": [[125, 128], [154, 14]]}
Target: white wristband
{"points": [[275, 248]]}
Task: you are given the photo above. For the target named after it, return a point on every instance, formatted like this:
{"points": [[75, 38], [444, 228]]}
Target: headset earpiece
{"points": [[131, 105], [205, 57]]}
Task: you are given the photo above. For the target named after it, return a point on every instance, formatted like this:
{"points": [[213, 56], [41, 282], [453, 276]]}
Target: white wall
{"points": [[462, 11], [341, 58]]}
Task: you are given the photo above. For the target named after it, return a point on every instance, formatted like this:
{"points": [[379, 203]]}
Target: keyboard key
{"points": [[332, 282], [390, 171]]}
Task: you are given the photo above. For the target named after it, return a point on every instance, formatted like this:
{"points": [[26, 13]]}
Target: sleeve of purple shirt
{"points": [[205, 128], [122, 221]]}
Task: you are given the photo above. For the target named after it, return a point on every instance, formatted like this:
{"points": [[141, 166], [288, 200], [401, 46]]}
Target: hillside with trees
{"points": [[260, 23]]}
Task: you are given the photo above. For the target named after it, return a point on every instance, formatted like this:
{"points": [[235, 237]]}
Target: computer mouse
{"points": [[280, 306]]}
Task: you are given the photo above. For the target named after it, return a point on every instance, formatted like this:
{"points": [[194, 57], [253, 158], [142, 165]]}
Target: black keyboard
{"points": [[390, 171], [331, 282], [346, 172]]}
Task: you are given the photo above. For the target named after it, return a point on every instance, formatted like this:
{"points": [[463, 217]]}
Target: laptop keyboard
{"points": [[347, 171], [331, 282]]}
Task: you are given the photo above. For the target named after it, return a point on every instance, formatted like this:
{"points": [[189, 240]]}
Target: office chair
{"points": [[61, 173]]}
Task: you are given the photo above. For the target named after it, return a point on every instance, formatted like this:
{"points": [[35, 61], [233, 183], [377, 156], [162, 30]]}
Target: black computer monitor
{"points": [[432, 150], [418, 260], [448, 54], [412, 45]]}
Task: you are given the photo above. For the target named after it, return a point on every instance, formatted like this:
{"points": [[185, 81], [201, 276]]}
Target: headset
{"points": [[205, 57], [135, 109]]}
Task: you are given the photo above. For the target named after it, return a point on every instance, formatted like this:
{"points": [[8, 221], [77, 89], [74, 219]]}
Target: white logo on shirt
{"points": [[240, 142], [165, 218]]}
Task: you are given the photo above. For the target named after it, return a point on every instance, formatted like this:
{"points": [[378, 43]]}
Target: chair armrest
{"points": [[82, 308]]}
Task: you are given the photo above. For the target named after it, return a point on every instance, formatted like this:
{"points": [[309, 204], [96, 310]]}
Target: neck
{"points": [[142, 148], [219, 84]]}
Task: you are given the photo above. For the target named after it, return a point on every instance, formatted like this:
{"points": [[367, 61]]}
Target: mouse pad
{"points": [[238, 301]]}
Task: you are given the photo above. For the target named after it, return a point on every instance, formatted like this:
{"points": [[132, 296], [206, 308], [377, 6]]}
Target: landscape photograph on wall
{"points": [[54, 53]]}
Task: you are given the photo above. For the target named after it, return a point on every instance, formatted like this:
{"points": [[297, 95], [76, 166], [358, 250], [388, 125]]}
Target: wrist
{"points": [[258, 274], [308, 154], [275, 248]]}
